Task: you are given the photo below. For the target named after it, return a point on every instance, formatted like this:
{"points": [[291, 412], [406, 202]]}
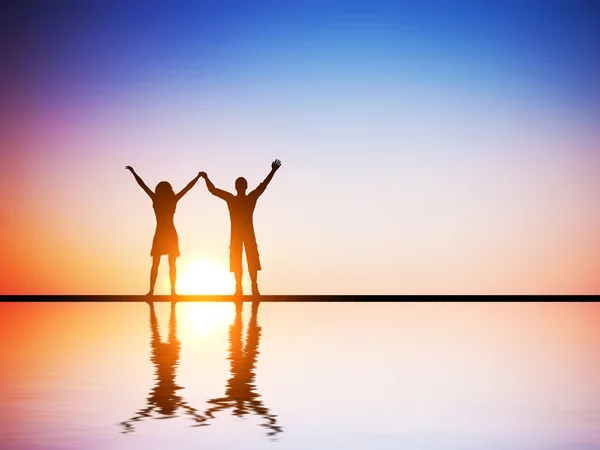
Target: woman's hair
{"points": [[164, 191]]}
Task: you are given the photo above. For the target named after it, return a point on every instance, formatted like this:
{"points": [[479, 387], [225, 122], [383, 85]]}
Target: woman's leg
{"points": [[173, 272], [153, 273]]}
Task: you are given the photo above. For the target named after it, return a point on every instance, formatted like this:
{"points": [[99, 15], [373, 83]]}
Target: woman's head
{"points": [[164, 190]]}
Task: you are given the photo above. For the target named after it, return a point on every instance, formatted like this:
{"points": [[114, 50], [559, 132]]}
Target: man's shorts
{"points": [[235, 255]]}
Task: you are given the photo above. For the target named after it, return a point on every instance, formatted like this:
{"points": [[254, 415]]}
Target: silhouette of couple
{"points": [[240, 395], [241, 209]]}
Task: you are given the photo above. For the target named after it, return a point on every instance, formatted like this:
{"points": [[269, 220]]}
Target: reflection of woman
{"points": [[165, 242], [240, 395], [163, 398]]}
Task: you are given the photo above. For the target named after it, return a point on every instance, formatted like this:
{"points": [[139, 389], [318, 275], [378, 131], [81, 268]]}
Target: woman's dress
{"points": [[166, 241]]}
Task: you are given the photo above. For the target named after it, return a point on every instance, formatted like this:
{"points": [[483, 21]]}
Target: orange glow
{"points": [[203, 276], [203, 318]]}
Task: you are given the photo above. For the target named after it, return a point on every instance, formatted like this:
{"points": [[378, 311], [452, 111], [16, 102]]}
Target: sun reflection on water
{"points": [[203, 318]]}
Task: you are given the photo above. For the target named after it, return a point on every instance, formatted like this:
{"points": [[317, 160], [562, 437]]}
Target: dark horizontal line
{"points": [[288, 298]]}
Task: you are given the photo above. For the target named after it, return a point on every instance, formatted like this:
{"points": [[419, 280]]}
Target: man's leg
{"points": [[253, 260], [238, 282], [235, 264], [253, 277]]}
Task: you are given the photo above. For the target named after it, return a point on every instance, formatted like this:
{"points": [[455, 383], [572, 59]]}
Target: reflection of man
{"points": [[241, 208], [163, 398], [240, 395]]}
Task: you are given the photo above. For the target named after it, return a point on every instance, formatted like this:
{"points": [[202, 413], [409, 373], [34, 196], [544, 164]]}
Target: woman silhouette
{"points": [[165, 242]]}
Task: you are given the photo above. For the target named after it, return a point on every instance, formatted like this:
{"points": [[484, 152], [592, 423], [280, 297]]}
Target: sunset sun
{"points": [[203, 276]]}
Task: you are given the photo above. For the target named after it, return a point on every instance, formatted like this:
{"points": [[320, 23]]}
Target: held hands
{"points": [[202, 174], [275, 165]]}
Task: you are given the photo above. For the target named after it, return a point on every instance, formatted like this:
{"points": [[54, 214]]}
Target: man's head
{"points": [[241, 185]]}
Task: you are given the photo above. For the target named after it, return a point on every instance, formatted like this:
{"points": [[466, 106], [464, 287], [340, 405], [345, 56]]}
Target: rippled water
{"points": [[300, 376]]}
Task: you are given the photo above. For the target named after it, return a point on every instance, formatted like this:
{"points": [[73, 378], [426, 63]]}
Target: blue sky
{"points": [[546, 46]]}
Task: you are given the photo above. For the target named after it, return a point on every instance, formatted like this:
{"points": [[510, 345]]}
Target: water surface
{"points": [[300, 376]]}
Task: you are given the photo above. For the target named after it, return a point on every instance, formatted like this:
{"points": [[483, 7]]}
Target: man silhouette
{"points": [[241, 209]]}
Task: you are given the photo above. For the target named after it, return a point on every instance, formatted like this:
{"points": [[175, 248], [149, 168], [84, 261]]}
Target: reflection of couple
{"points": [[163, 397], [240, 394], [241, 208]]}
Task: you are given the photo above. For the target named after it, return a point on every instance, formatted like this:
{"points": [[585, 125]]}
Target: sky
{"points": [[427, 147]]}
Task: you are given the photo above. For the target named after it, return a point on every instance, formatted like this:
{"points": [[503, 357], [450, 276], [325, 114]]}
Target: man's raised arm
{"points": [[275, 165], [213, 190]]}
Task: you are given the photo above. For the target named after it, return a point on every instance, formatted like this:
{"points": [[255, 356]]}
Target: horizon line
{"points": [[287, 298]]}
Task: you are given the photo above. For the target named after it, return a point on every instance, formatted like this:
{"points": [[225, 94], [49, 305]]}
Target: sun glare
{"points": [[203, 276], [202, 318]]}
